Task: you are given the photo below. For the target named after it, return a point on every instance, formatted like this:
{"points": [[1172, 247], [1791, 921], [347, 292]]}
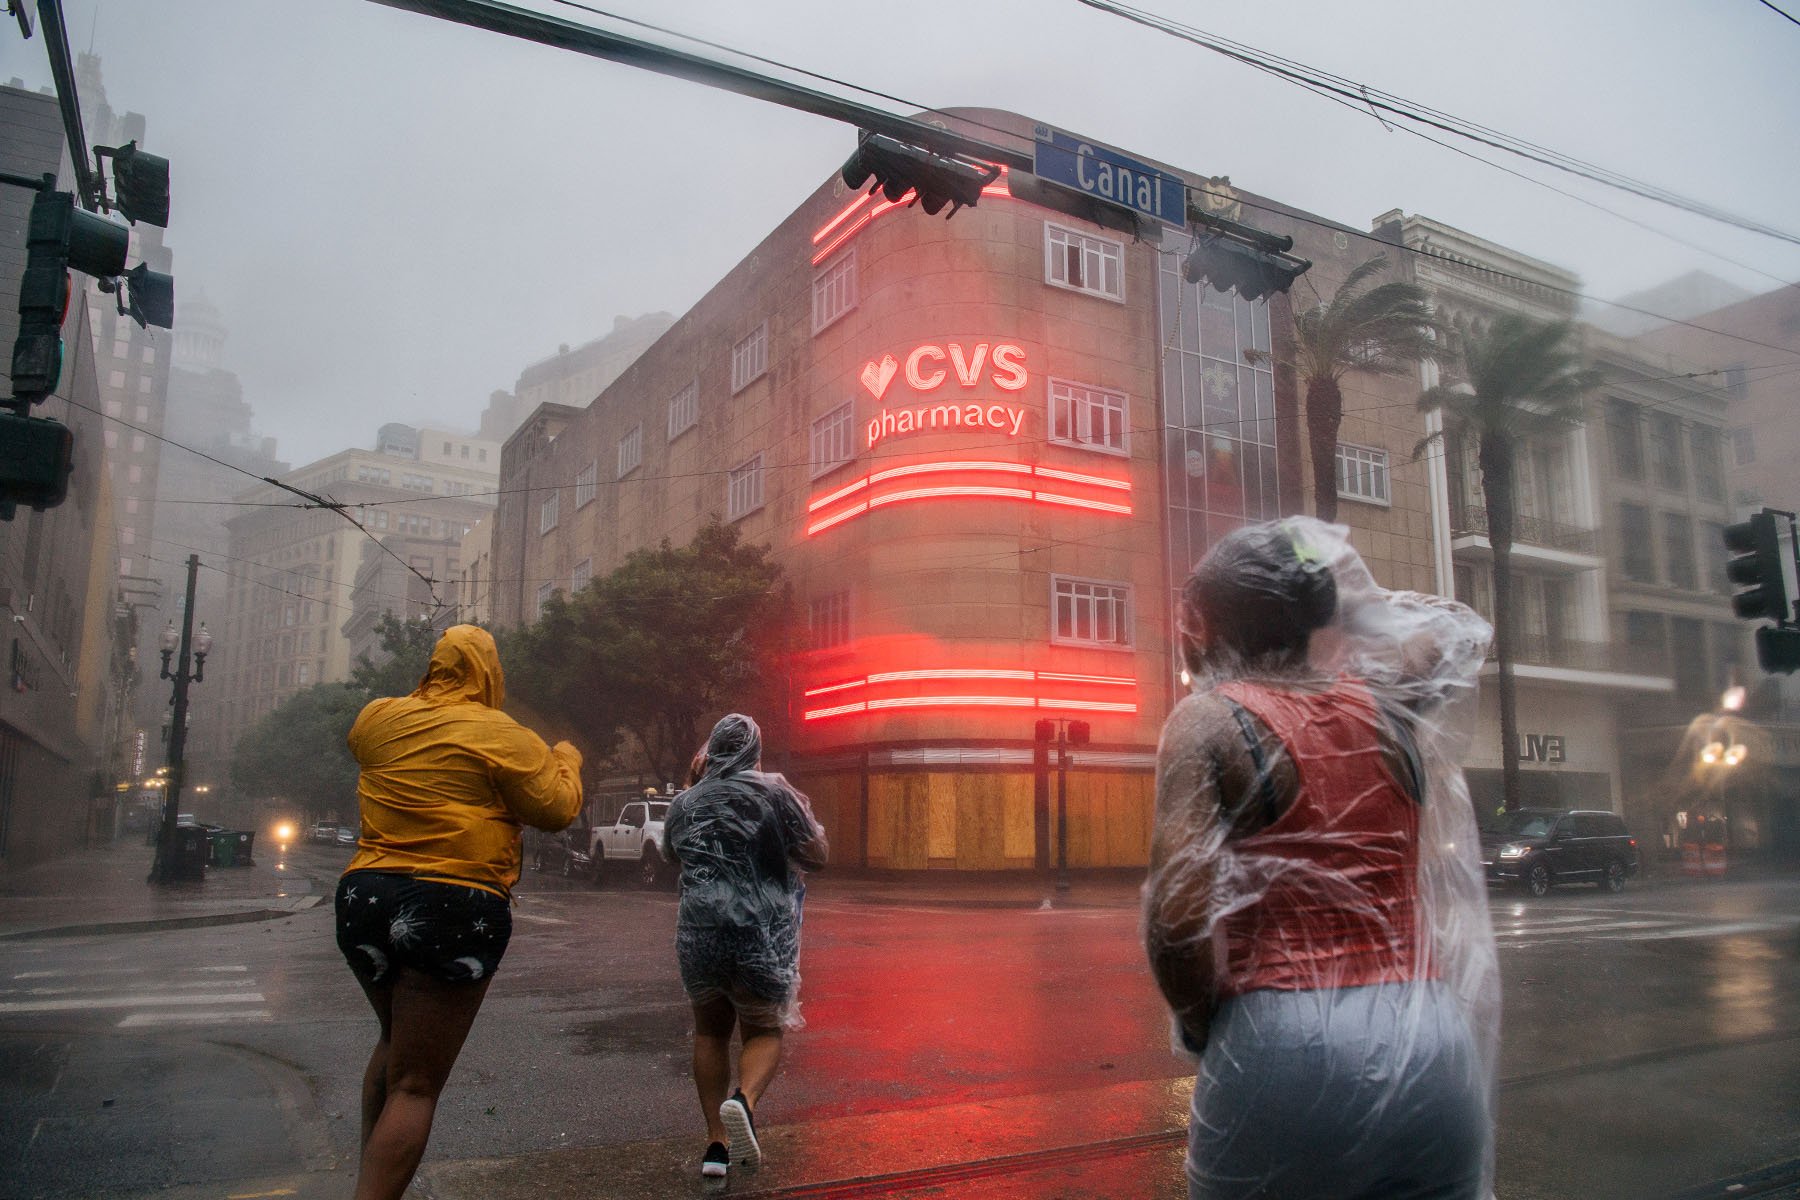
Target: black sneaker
{"points": [[715, 1161], [735, 1112]]}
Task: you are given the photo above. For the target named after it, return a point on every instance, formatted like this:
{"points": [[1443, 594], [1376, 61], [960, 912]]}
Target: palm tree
{"points": [[1384, 330], [1519, 379]]}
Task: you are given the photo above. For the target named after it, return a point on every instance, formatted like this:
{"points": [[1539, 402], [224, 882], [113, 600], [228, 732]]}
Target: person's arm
{"points": [[540, 784], [1178, 896], [801, 830]]}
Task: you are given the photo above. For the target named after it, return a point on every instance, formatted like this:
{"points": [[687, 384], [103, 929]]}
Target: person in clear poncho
{"points": [[1316, 912], [742, 839]]}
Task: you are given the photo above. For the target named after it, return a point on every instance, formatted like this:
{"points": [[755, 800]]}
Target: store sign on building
{"points": [[1110, 176], [1548, 748], [955, 372]]}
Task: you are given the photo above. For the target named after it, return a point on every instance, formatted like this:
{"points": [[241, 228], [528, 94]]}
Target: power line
{"points": [[1773, 9]]}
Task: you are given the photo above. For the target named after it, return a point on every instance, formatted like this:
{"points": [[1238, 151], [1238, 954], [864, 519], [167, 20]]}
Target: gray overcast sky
{"points": [[396, 214]]}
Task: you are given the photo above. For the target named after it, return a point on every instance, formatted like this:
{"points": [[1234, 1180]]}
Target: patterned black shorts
{"points": [[445, 930]]}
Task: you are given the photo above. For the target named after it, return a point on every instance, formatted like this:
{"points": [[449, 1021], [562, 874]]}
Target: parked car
{"points": [[565, 853], [346, 836], [324, 831], [1537, 848], [634, 842]]}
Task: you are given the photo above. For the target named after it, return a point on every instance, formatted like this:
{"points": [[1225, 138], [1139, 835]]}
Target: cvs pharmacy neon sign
{"points": [[931, 366]]}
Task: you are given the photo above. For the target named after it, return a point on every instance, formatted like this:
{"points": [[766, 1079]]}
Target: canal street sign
{"points": [[1108, 175]]}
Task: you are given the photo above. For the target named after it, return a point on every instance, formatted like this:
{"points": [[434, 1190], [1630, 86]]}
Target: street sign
{"points": [[1109, 176]]}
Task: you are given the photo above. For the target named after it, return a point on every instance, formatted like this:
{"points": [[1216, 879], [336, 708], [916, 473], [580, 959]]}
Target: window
{"points": [[831, 440], [583, 572], [1087, 416], [142, 413], [584, 484], [116, 379], [446, 449], [547, 512], [1622, 430], [111, 438], [1362, 474], [544, 592], [303, 673], [1678, 549], [834, 290], [750, 358], [1084, 264], [481, 456], [684, 410], [138, 442], [1737, 382], [1665, 450], [1638, 556], [744, 488], [1743, 446], [1709, 470], [465, 450], [1090, 613], [631, 451], [828, 618], [1712, 537]]}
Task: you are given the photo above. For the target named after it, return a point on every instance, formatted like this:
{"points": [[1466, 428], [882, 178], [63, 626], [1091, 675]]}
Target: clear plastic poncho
{"points": [[743, 839], [1316, 909]]}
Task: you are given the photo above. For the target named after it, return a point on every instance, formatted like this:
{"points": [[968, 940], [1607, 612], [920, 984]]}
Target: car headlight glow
{"points": [[1513, 850]]}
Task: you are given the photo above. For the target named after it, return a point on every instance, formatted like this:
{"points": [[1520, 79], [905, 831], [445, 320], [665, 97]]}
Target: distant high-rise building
{"points": [[572, 377]]}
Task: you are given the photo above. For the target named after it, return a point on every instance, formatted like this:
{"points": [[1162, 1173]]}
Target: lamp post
{"points": [[188, 643], [1064, 732]]}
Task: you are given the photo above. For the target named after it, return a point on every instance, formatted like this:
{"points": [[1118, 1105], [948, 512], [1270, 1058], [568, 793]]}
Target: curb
{"points": [[199, 921]]}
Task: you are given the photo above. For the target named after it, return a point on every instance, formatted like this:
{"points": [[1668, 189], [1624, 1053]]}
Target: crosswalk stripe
{"points": [[148, 1000], [212, 1017], [102, 989], [1594, 927]]}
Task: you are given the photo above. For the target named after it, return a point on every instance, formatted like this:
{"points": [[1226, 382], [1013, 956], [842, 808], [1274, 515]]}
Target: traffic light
{"points": [[1250, 271], [897, 168], [61, 238], [151, 297], [36, 455], [1078, 733], [140, 183], [1755, 563], [1778, 649], [1045, 730]]}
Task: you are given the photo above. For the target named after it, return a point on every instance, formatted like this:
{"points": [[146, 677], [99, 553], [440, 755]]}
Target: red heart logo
{"points": [[877, 376]]}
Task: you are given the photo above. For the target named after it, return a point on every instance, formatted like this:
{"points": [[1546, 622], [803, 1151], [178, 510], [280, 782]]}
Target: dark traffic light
{"points": [[60, 238], [1755, 566], [897, 168], [1250, 271], [140, 183], [1778, 649], [35, 457]]}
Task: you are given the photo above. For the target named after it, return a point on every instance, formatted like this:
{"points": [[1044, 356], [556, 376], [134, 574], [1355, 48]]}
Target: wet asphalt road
{"points": [[1651, 1040]]}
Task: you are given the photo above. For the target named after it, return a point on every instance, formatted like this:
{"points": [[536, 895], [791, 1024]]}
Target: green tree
{"points": [[672, 637], [1517, 380], [405, 653], [1384, 330], [297, 753]]}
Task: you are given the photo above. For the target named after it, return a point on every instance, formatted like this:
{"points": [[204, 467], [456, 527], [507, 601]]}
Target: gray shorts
{"points": [[757, 969], [1352, 1092]]}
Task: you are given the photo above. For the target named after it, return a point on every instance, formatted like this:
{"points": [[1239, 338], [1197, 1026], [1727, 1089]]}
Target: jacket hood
{"points": [[465, 668], [735, 745]]}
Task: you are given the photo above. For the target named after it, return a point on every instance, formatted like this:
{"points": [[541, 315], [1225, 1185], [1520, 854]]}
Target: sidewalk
{"points": [[104, 891]]}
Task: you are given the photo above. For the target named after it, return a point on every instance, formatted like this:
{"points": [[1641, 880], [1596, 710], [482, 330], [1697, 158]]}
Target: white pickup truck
{"points": [[634, 840]]}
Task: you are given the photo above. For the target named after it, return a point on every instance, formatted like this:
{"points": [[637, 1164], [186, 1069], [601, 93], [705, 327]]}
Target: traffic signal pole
{"points": [[167, 868]]}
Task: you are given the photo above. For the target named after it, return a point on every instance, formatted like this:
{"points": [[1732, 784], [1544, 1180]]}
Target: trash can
{"points": [[191, 852], [223, 846], [243, 840]]}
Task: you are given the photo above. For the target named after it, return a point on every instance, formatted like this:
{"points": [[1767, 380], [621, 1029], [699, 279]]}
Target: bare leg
{"points": [[713, 1022], [429, 1022], [374, 1086], [758, 1059]]}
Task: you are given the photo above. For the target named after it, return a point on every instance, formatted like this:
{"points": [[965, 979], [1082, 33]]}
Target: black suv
{"points": [[1540, 847]]}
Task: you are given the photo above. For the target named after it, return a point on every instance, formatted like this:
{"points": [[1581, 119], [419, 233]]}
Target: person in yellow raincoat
{"points": [[423, 912]]}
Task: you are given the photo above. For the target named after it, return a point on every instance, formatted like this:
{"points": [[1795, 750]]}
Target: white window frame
{"points": [[631, 451], [549, 511], [544, 592], [1082, 400], [834, 291], [586, 484], [744, 488], [833, 441], [1091, 593], [750, 358], [832, 611], [1095, 253], [684, 410], [1374, 467], [581, 576]]}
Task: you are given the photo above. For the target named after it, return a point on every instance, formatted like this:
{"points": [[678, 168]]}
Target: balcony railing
{"points": [[1540, 651], [1531, 531]]}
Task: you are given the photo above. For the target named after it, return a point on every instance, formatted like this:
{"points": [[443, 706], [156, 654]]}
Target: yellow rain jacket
{"points": [[448, 779]]}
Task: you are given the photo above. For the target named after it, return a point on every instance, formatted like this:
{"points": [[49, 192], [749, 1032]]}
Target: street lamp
{"points": [[1064, 732], [170, 866]]}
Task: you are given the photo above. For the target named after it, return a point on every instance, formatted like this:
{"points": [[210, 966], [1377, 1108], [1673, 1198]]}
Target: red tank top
{"points": [[1329, 892]]}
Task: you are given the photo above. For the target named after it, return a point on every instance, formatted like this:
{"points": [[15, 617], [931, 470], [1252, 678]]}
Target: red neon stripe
{"points": [[839, 711], [862, 198], [1123, 485], [840, 518], [1077, 502], [929, 468], [952, 702], [835, 687], [833, 497], [1107, 706], [949, 673], [997, 188], [1060, 677], [933, 493]]}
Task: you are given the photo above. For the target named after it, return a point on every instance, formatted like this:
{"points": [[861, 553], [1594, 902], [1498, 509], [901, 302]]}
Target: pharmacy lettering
{"points": [[967, 367]]}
